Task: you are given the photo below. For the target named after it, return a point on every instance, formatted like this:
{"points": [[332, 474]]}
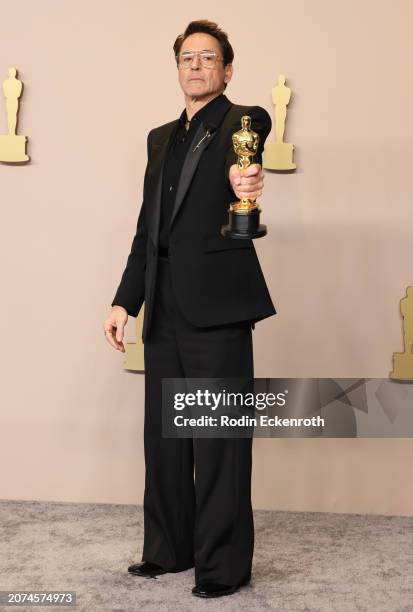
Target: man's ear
{"points": [[228, 73]]}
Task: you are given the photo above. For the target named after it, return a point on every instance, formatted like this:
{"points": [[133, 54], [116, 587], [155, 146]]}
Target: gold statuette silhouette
{"points": [[134, 350], [403, 362], [278, 155], [12, 146]]}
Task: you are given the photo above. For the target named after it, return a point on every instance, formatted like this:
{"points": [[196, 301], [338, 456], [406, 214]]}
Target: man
{"points": [[202, 293]]}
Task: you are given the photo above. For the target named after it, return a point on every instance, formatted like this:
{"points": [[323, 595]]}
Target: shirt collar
{"points": [[206, 114]]}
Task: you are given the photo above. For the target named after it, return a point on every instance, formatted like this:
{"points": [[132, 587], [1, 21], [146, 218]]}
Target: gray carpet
{"points": [[302, 561]]}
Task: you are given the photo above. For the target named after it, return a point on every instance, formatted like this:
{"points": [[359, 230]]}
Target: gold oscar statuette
{"points": [[12, 145], [244, 214], [403, 362]]}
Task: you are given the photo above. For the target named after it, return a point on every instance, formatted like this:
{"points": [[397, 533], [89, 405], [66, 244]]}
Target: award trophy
{"points": [[244, 215]]}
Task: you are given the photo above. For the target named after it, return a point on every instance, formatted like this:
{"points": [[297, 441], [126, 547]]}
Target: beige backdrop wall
{"points": [[98, 76]]}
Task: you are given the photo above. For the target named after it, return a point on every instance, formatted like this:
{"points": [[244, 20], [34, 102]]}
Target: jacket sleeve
{"points": [[260, 123], [131, 290]]}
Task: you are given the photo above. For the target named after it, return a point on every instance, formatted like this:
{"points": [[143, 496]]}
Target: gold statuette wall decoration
{"points": [[12, 146], [278, 155], [403, 362], [134, 350]]}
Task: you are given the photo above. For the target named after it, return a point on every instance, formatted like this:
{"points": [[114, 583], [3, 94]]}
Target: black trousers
{"points": [[206, 522]]}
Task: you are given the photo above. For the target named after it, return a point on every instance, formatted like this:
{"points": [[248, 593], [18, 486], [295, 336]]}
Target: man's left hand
{"points": [[247, 183]]}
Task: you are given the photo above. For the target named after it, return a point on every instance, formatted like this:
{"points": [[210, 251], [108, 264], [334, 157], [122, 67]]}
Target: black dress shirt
{"points": [[179, 144]]}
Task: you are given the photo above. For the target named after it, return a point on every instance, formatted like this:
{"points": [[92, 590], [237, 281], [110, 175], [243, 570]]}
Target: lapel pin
{"points": [[207, 135]]}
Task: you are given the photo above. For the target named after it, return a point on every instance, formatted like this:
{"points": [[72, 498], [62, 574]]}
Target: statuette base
{"points": [[278, 156], [13, 148], [402, 366], [244, 225]]}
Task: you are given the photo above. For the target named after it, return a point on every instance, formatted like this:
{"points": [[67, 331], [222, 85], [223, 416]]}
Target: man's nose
{"points": [[197, 61]]}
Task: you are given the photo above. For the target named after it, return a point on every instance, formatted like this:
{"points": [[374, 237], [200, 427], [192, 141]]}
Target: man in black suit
{"points": [[203, 293]]}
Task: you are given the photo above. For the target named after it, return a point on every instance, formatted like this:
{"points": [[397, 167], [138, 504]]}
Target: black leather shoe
{"points": [[146, 569], [213, 589]]}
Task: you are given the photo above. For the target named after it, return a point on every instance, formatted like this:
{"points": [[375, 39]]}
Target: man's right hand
{"points": [[247, 183], [114, 326]]}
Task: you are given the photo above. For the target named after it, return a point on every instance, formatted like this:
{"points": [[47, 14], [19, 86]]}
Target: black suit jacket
{"points": [[216, 280]]}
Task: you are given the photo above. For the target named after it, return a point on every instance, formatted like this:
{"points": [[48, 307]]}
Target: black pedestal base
{"points": [[242, 225]]}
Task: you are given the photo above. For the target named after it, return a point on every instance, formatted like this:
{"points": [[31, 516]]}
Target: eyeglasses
{"points": [[208, 58]]}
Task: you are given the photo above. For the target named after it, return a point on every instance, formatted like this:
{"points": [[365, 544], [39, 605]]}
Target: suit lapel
{"points": [[200, 142], [156, 176]]}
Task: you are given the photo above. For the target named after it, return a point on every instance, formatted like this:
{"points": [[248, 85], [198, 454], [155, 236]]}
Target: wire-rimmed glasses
{"points": [[208, 59]]}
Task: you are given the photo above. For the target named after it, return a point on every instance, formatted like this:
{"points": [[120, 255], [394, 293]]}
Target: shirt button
{"points": [[170, 188]]}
